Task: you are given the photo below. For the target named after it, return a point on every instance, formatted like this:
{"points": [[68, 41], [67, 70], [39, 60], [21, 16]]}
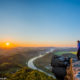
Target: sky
{"points": [[40, 22]]}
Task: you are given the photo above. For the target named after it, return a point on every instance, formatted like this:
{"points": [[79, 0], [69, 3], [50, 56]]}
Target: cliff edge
{"points": [[65, 68]]}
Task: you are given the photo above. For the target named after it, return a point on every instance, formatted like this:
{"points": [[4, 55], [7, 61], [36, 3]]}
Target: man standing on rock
{"points": [[78, 52]]}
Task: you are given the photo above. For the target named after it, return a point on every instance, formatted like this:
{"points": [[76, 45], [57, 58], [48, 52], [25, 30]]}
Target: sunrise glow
{"points": [[7, 43]]}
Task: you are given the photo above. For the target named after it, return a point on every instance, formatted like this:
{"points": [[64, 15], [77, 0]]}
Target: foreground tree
{"points": [[28, 74]]}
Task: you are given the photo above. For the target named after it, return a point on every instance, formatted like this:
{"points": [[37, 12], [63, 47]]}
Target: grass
{"points": [[60, 52], [73, 52], [64, 52]]}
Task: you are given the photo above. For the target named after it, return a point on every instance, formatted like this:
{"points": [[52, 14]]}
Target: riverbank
{"points": [[44, 63], [31, 63]]}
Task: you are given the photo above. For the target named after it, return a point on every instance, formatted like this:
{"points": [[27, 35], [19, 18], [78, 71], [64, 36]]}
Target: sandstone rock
{"points": [[73, 71], [59, 65]]}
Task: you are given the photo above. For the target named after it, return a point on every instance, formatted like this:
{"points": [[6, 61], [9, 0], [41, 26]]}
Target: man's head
{"points": [[78, 41]]}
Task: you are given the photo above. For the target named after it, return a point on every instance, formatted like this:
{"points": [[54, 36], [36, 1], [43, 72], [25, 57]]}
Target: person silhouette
{"points": [[78, 51]]}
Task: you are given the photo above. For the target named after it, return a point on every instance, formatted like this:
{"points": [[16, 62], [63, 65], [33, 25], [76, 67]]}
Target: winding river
{"points": [[31, 64]]}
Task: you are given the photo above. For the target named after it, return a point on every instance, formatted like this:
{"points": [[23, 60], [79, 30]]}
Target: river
{"points": [[31, 64]]}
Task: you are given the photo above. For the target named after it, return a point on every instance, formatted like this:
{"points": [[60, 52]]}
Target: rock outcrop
{"points": [[73, 71], [59, 65], [65, 68]]}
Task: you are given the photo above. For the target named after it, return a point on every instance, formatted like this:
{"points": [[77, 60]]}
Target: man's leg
{"points": [[78, 54]]}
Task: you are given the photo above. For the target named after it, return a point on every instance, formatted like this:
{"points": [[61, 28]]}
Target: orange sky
{"points": [[39, 44]]}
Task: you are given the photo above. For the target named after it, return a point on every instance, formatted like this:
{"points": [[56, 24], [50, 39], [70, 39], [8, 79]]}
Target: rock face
{"points": [[73, 71], [65, 68], [59, 65], [76, 70]]}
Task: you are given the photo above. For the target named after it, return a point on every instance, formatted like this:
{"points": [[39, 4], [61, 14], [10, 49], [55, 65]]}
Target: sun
{"points": [[7, 43]]}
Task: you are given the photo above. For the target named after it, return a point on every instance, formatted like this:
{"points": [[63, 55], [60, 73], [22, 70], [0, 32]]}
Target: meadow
{"points": [[65, 52]]}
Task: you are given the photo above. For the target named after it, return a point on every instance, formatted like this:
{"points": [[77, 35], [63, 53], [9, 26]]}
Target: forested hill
{"points": [[28, 74]]}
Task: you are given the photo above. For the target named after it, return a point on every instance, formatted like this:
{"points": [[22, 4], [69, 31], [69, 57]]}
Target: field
{"points": [[64, 52]]}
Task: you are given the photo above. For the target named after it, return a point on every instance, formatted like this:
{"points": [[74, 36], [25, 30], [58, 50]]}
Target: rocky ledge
{"points": [[73, 71], [59, 65], [65, 68]]}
